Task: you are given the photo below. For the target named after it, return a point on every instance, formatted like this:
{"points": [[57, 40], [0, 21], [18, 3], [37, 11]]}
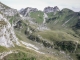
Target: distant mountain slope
{"points": [[63, 18]]}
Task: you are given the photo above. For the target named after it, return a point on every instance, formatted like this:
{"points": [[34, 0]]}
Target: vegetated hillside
{"points": [[44, 36], [64, 18], [37, 16], [63, 33]]}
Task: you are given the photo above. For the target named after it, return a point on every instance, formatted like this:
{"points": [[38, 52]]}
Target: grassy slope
{"points": [[2, 49], [62, 17], [38, 16], [27, 54], [20, 34], [59, 35]]}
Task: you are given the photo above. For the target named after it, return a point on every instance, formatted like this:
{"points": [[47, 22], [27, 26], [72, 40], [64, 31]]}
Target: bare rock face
{"points": [[7, 35], [51, 9], [7, 11], [26, 11]]}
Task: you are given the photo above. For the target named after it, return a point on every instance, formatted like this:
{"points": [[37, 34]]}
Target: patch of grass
{"points": [[27, 54], [2, 49], [18, 36], [11, 20], [38, 16], [58, 35], [51, 14], [19, 56]]}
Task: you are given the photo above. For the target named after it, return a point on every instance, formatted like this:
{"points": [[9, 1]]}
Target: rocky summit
{"points": [[32, 34], [51, 9]]}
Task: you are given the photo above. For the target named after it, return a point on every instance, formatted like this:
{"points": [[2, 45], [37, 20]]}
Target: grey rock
{"points": [[51, 9], [26, 11], [7, 11]]}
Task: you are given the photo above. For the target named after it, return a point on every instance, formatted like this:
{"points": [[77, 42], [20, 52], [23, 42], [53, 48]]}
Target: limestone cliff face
{"points": [[7, 35]]}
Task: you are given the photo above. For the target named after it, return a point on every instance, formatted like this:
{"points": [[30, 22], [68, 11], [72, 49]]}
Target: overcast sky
{"points": [[40, 4]]}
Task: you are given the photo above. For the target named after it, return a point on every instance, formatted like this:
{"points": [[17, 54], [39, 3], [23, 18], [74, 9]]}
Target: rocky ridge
{"points": [[51, 9], [7, 11], [26, 11]]}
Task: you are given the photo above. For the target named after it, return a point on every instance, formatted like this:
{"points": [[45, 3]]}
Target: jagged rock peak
{"points": [[26, 11], [51, 9], [56, 8]]}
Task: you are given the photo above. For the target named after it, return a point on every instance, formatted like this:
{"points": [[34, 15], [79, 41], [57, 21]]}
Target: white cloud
{"points": [[40, 4]]}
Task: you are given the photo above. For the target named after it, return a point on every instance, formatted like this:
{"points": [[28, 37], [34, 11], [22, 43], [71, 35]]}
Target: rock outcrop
{"points": [[7, 35], [26, 11], [51, 9], [7, 11]]}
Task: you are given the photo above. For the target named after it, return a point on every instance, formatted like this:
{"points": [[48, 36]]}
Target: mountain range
{"points": [[32, 34]]}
